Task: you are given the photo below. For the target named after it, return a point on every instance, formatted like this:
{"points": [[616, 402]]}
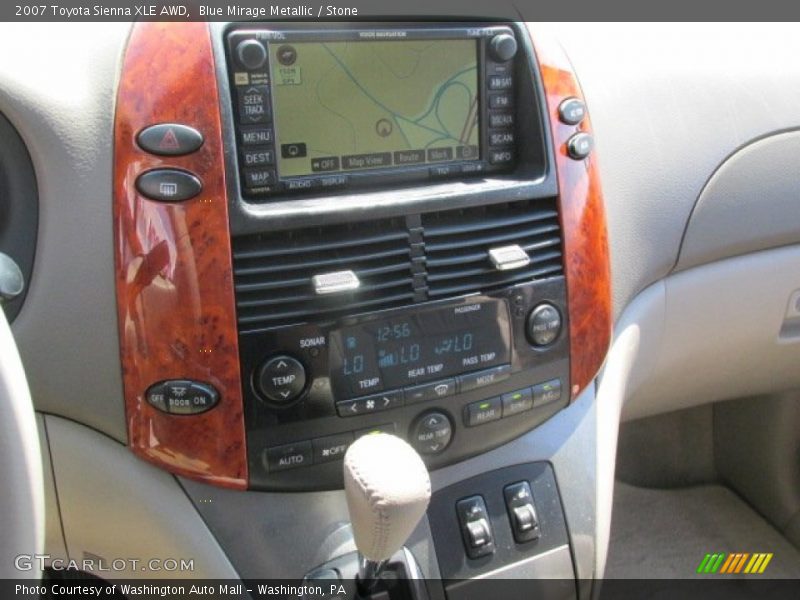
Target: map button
{"points": [[439, 154], [255, 178]]}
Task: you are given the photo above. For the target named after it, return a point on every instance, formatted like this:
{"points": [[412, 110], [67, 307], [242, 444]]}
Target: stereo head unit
{"points": [[323, 109]]}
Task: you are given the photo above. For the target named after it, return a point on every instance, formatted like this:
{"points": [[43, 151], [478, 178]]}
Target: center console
{"points": [[445, 327], [329, 232]]}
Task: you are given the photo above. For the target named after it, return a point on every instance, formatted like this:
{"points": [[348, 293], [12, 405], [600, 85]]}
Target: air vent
{"points": [[398, 261], [273, 272], [457, 244]]}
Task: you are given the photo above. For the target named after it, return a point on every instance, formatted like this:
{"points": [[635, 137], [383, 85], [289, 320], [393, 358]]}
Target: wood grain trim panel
{"points": [[583, 222], [175, 301]]}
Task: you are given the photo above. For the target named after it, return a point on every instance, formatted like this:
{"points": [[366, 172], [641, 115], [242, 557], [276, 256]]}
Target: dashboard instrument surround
{"points": [[196, 272], [174, 282]]}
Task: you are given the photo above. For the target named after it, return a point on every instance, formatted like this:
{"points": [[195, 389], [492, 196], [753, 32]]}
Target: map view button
{"points": [[367, 161]]}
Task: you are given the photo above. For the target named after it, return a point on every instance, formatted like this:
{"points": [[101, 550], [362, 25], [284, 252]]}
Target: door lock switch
{"points": [[476, 529], [521, 512]]}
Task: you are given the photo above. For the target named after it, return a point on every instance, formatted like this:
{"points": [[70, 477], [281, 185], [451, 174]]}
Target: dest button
{"points": [[289, 456]]}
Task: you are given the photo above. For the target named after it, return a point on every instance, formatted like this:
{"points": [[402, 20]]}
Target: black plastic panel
{"points": [[315, 415], [19, 207]]}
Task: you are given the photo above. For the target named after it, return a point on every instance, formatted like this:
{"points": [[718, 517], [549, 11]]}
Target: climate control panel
{"points": [[453, 378]]}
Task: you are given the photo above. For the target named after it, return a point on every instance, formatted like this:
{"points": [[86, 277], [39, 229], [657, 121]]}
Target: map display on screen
{"points": [[351, 105]]}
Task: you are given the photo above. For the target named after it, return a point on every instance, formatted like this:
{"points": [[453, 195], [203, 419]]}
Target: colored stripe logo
{"points": [[737, 562]]}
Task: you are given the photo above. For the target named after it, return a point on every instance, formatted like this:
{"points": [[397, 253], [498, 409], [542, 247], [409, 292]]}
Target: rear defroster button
{"points": [[168, 185]]}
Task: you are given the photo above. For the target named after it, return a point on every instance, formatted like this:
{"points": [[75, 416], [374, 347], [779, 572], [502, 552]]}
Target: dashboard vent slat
{"points": [[457, 244], [273, 272], [398, 261]]}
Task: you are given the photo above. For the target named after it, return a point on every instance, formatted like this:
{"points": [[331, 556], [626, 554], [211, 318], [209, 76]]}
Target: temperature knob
{"points": [[503, 47], [281, 379], [251, 54]]}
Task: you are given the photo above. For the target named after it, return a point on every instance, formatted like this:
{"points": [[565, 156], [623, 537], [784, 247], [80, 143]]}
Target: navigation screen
{"points": [[347, 106]]}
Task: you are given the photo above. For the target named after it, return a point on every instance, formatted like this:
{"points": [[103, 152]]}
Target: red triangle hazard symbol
{"points": [[169, 141]]}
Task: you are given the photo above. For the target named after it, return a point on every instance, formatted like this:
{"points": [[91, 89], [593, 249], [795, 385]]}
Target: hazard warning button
{"points": [[169, 139]]}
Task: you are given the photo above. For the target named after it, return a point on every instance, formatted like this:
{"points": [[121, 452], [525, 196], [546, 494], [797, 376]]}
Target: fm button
{"points": [[281, 379]]}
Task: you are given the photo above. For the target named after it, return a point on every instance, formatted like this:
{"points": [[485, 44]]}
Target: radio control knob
{"points": [[503, 47], [251, 54], [281, 379]]}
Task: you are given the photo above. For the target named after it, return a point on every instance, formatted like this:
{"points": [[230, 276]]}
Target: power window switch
{"points": [[521, 512], [478, 533], [476, 529]]}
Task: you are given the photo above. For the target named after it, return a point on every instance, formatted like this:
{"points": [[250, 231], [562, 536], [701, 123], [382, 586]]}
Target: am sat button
{"points": [[168, 185], [289, 456], [169, 139]]}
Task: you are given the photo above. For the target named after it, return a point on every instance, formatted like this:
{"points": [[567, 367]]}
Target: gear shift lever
{"points": [[388, 490]]}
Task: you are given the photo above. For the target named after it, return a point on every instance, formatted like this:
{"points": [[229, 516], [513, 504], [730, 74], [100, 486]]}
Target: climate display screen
{"points": [[346, 106], [424, 346]]}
